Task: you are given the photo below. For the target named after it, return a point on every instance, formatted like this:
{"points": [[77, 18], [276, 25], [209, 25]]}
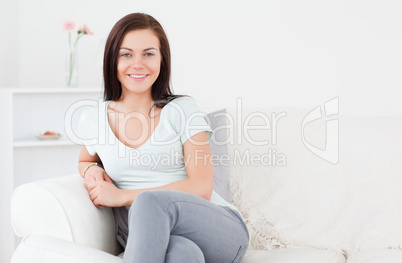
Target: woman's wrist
{"points": [[87, 168], [92, 168], [128, 196]]}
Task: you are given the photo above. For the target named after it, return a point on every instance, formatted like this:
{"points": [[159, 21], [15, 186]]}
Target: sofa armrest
{"points": [[60, 207], [46, 249]]}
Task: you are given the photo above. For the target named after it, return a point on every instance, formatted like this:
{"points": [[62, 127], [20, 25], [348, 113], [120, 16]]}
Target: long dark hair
{"points": [[161, 92]]}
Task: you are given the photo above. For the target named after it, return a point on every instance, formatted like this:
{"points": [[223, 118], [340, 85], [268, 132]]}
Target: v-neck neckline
{"points": [[129, 147]]}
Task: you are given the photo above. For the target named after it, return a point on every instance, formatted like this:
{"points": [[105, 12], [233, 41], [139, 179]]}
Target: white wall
{"points": [[269, 53], [9, 46]]}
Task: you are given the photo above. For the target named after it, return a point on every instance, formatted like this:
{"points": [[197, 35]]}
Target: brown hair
{"points": [[161, 92]]}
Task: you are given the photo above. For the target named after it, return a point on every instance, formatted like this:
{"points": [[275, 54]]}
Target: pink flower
{"points": [[74, 34], [70, 26], [85, 30]]}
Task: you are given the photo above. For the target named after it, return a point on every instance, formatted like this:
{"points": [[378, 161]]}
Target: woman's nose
{"points": [[136, 62]]}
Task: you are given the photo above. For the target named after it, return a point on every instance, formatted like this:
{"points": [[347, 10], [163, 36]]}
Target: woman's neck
{"points": [[133, 103]]}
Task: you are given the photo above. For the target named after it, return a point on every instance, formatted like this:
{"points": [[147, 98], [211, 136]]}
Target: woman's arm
{"points": [[94, 174], [197, 157]]}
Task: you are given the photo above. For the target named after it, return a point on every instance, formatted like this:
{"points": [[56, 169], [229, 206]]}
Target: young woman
{"points": [[149, 157]]}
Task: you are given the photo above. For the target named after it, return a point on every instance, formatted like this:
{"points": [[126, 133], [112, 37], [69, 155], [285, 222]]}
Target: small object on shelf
{"points": [[48, 135]]}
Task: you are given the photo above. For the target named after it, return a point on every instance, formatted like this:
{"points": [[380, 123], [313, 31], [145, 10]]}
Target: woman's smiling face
{"points": [[139, 61]]}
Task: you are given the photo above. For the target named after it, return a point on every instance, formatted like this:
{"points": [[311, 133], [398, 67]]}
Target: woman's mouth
{"points": [[138, 76]]}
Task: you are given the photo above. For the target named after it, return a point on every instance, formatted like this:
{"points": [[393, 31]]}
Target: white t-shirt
{"points": [[159, 161]]}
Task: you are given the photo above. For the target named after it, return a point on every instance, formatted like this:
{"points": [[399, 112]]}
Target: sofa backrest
{"points": [[328, 182]]}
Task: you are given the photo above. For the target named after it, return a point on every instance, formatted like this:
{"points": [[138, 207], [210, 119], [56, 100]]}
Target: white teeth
{"points": [[138, 76]]}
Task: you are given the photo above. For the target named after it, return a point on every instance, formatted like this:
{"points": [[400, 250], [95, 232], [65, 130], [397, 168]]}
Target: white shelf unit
{"points": [[32, 143], [24, 158]]}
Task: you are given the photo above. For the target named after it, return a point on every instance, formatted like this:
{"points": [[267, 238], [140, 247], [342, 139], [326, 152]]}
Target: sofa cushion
{"points": [[293, 255], [295, 197], [47, 249], [376, 256], [218, 122]]}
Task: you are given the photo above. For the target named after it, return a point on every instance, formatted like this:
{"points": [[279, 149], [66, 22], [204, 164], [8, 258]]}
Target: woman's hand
{"points": [[106, 194], [94, 175]]}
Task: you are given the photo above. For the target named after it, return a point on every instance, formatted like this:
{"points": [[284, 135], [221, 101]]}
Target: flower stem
{"points": [[72, 56], [70, 64]]}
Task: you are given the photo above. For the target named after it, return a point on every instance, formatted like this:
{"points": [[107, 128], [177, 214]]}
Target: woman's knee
{"points": [[183, 250], [148, 200]]}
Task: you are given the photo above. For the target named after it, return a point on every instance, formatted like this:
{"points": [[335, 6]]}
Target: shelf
{"points": [[54, 90], [44, 143], [26, 111]]}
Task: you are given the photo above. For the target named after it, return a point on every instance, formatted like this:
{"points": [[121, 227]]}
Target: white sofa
{"points": [[320, 187]]}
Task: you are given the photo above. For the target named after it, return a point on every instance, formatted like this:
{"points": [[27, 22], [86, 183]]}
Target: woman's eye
{"points": [[125, 55], [149, 54]]}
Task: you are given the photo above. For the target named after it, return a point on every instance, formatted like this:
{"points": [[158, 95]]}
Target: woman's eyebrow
{"points": [[126, 48], [144, 49]]}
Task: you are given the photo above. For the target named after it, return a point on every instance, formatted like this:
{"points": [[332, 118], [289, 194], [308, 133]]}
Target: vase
{"points": [[71, 65]]}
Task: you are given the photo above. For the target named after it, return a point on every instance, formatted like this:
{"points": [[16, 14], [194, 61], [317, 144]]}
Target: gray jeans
{"points": [[175, 227]]}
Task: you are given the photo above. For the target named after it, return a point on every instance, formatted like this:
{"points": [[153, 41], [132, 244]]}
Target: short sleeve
{"points": [[188, 118], [85, 128]]}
